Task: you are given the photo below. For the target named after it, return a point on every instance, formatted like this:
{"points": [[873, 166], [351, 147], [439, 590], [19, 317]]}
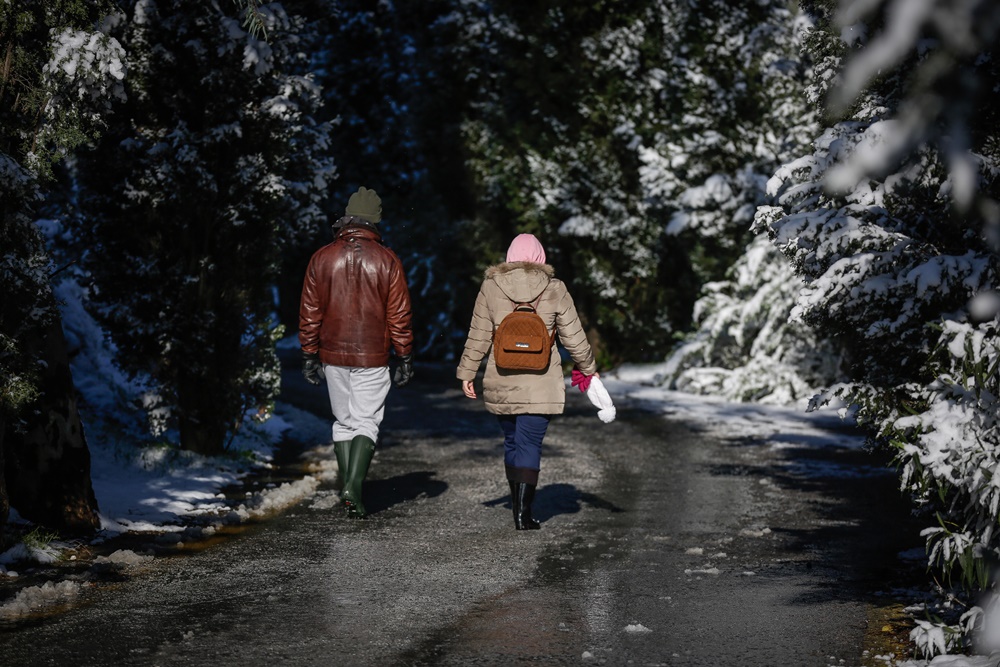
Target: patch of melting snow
{"points": [[325, 500], [124, 557], [274, 500], [37, 598], [636, 627]]}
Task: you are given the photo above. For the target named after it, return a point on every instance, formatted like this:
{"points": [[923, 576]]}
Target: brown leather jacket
{"points": [[355, 303]]}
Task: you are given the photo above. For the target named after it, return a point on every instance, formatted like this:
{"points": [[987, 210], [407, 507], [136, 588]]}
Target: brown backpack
{"points": [[522, 342]]}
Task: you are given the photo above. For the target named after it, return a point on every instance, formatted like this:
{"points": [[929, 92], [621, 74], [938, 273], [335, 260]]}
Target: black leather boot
{"points": [[514, 503], [522, 496]]}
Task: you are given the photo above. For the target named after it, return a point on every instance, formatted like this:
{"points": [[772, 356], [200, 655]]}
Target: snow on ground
{"points": [[162, 489], [780, 426]]}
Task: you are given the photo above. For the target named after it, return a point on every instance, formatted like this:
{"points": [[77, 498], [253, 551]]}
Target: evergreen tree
{"points": [[747, 343], [214, 167], [59, 73], [889, 220], [635, 140]]}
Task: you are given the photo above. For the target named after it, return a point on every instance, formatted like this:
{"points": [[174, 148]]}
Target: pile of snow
{"points": [[124, 557], [273, 501], [636, 628], [35, 599]]}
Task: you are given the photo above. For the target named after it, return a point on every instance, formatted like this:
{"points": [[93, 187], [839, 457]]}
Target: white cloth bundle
{"points": [[600, 397]]}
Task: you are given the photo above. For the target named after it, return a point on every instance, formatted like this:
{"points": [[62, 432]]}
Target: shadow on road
{"points": [[554, 499], [382, 494]]}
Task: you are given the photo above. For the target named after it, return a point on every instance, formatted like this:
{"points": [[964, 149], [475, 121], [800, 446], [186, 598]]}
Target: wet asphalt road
{"points": [[660, 545]]}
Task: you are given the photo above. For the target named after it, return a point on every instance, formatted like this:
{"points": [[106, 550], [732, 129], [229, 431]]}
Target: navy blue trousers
{"points": [[522, 441]]}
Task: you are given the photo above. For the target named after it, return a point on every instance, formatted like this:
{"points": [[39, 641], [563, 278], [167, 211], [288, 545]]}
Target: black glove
{"points": [[312, 369], [404, 371]]}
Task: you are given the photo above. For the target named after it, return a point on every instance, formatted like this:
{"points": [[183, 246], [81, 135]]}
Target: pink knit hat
{"points": [[526, 248]]}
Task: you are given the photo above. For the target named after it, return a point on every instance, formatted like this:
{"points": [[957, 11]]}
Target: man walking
{"points": [[356, 307]]}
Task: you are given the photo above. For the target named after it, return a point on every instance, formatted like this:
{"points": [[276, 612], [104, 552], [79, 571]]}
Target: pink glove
{"points": [[580, 380]]}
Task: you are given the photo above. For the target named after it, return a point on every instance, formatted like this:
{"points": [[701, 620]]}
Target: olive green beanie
{"points": [[365, 204]]}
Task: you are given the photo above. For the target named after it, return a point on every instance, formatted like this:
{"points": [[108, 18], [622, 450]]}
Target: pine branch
{"points": [[254, 19]]}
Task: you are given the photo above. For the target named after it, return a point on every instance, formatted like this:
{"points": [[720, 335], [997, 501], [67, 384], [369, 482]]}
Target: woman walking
{"points": [[523, 401]]}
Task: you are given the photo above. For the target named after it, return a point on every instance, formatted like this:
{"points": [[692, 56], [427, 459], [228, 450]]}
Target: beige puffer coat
{"points": [[509, 393]]}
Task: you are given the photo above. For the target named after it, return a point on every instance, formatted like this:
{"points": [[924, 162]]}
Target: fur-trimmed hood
{"points": [[521, 281]]}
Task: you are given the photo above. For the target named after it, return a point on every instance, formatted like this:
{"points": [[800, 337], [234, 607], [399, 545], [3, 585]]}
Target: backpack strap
{"points": [[534, 308]]}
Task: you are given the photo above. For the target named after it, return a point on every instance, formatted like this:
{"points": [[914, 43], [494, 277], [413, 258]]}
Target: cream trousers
{"points": [[357, 399]]}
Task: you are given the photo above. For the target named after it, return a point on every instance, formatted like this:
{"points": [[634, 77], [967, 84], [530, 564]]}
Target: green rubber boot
{"points": [[362, 451], [342, 449]]}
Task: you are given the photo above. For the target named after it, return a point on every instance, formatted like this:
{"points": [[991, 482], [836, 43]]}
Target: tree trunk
{"points": [[47, 466], [4, 502], [201, 429], [209, 402]]}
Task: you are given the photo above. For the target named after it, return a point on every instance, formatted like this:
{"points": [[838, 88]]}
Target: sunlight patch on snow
{"points": [[321, 462], [769, 423], [272, 501], [325, 500]]}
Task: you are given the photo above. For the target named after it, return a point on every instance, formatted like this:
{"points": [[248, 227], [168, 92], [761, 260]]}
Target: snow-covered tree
{"points": [[254, 20], [745, 345], [890, 220], [635, 139], [214, 167], [59, 73]]}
